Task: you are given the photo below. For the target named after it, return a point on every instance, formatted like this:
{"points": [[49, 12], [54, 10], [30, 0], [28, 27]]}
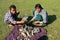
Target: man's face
{"points": [[12, 10], [38, 9]]}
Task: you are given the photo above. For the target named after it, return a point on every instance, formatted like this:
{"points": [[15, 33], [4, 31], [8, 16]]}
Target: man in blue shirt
{"points": [[12, 16], [40, 16]]}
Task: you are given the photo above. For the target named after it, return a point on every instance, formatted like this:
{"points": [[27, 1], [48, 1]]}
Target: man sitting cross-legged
{"points": [[40, 16], [11, 17]]}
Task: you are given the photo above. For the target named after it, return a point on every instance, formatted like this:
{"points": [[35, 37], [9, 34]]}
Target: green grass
{"points": [[26, 6]]}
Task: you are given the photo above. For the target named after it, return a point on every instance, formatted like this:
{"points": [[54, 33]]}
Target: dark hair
{"points": [[38, 5], [13, 6]]}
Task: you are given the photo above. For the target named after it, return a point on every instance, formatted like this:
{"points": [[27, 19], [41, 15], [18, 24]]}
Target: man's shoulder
{"points": [[43, 10], [34, 11], [8, 13]]}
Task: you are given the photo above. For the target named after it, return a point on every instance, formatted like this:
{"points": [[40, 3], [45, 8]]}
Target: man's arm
{"points": [[17, 13], [45, 16], [34, 16], [15, 22], [12, 20]]}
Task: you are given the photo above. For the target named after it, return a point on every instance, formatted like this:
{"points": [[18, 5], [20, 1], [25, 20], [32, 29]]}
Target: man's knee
{"points": [[11, 27]]}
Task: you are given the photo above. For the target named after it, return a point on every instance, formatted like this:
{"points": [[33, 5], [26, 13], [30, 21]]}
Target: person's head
{"points": [[38, 7], [13, 9]]}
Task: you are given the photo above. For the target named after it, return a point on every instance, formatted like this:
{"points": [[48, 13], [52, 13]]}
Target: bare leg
{"points": [[11, 27]]}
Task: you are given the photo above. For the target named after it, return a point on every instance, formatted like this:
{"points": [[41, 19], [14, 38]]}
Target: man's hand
{"points": [[30, 21], [20, 22], [17, 12]]}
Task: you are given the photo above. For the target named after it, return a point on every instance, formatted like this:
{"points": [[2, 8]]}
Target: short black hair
{"points": [[12, 6], [38, 5]]}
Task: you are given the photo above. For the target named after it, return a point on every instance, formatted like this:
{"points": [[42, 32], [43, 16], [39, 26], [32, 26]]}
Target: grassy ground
{"points": [[26, 6]]}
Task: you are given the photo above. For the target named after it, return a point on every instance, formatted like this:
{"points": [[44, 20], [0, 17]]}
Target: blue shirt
{"points": [[8, 18]]}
